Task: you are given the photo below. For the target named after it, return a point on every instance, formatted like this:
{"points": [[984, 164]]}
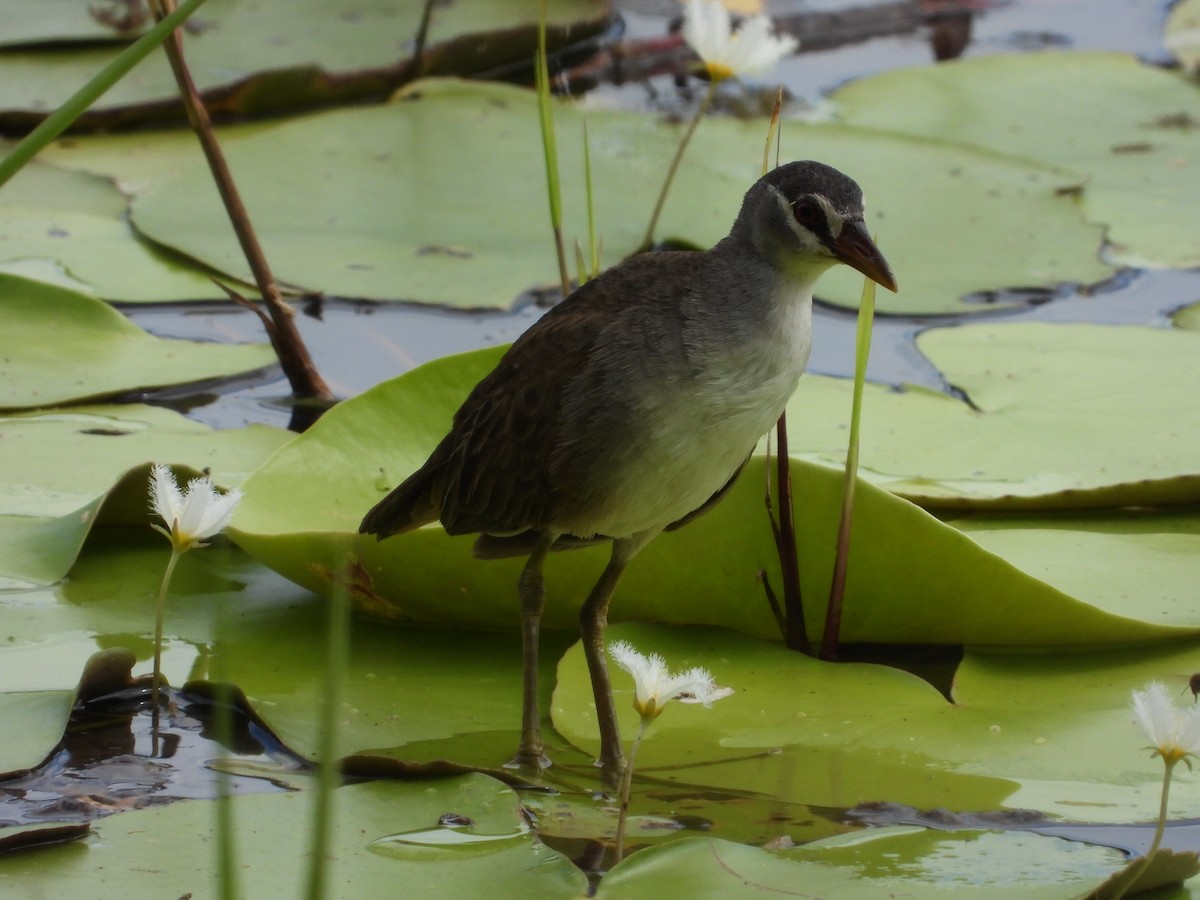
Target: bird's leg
{"points": [[593, 620], [532, 590]]}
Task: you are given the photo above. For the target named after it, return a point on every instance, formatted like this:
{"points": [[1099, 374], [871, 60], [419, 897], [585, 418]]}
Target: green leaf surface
{"points": [[1060, 416], [1187, 318], [76, 221], [911, 577], [880, 865], [272, 54], [1027, 730], [58, 468], [33, 723], [386, 834], [61, 346], [1130, 162], [60, 21], [394, 219]]}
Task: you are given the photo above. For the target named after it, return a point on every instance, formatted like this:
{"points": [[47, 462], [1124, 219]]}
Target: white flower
{"points": [[752, 49], [1173, 733], [655, 686], [191, 516]]}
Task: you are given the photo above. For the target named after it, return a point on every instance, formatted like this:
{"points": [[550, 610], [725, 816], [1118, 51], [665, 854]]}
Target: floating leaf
{"points": [[880, 865], [395, 221], [76, 221], [271, 832], [1061, 416], [59, 468], [1187, 318], [33, 723], [912, 577], [276, 55], [1040, 731], [1130, 162], [60, 346]]}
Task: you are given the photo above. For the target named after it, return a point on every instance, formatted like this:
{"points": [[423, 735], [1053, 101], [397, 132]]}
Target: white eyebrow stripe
{"points": [[832, 220]]}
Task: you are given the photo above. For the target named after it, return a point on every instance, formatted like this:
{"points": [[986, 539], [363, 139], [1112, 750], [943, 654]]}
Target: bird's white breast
{"points": [[705, 422]]}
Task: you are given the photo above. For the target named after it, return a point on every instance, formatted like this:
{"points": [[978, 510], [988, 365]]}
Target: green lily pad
{"points": [[912, 577], [135, 160], [1130, 162], [1061, 416], [1046, 732], [76, 221], [1187, 318], [33, 722], [59, 468], [882, 864], [61, 346], [386, 834], [396, 220], [60, 21], [276, 55]]}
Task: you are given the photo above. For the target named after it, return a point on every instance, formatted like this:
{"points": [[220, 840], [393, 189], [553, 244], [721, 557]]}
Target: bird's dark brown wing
{"points": [[498, 452], [495, 471], [490, 472]]}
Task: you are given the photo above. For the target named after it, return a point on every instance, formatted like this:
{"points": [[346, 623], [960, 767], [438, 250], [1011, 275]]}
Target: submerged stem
{"points": [[626, 788], [159, 615], [158, 624]]}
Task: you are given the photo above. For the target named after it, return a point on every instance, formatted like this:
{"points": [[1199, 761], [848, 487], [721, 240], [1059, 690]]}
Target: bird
{"points": [[629, 408]]}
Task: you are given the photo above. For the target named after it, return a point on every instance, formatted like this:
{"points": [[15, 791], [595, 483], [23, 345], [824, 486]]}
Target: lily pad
{"points": [[1187, 318], [1061, 416], [395, 219], [59, 468], [1028, 730], [274, 55], [1130, 163], [77, 221], [880, 865], [912, 577], [33, 722], [375, 846], [61, 346]]}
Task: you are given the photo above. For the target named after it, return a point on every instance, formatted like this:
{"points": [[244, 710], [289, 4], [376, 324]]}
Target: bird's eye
{"points": [[807, 213]]}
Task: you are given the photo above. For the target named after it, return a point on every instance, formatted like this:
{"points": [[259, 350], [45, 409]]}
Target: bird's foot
{"points": [[612, 768], [529, 761]]}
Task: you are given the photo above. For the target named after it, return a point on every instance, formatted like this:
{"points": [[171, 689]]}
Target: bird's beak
{"points": [[855, 248]]}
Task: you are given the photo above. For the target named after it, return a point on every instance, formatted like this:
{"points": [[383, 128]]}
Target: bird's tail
{"points": [[415, 502]]}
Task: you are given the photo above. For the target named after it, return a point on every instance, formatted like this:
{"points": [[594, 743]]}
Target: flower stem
{"points": [[648, 240], [626, 788], [158, 625], [1169, 767], [158, 639]]}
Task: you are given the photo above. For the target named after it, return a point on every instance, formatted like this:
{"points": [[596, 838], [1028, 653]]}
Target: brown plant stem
{"points": [[796, 636], [297, 363]]}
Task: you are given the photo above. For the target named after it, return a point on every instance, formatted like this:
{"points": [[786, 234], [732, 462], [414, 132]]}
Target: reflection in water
{"points": [[104, 764]]}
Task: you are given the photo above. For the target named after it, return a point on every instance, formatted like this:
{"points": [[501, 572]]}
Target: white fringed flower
{"points": [[1174, 734], [193, 515], [751, 50], [655, 686]]}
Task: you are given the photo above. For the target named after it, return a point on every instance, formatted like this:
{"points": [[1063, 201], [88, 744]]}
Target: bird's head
{"points": [[805, 216]]}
